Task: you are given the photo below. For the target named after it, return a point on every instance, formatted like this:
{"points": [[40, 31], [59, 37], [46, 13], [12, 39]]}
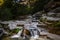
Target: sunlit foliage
{"points": [[1, 2]]}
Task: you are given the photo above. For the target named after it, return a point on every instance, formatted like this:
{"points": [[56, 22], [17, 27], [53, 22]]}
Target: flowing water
{"points": [[35, 32]]}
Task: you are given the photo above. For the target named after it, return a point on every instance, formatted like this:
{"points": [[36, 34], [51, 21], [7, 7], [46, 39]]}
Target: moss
{"points": [[57, 24], [16, 30]]}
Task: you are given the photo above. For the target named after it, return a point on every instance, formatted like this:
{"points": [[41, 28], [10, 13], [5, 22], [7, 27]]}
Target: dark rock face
{"points": [[57, 0], [55, 12], [1, 33]]}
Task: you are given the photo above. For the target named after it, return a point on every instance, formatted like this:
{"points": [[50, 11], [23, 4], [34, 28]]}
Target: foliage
{"points": [[5, 14], [55, 28], [39, 5], [16, 30], [57, 24], [11, 10], [1, 2]]}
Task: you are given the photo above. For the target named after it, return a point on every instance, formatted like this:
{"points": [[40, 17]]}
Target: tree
{"points": [[12, 9], [39, 5], [1, 2], [5, 14]]}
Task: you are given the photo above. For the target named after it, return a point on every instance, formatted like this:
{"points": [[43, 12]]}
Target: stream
{"points": [[34, 30], [31, 26]]}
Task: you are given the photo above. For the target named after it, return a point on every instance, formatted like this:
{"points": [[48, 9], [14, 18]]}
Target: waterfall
{"points": [[19, 33]]}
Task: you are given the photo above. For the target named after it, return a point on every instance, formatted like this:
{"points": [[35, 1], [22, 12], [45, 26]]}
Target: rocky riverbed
{"points": [[44, 35], [40, 38]]}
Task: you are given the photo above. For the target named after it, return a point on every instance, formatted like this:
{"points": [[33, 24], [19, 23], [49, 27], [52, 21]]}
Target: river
{"points": [[35, 31]]}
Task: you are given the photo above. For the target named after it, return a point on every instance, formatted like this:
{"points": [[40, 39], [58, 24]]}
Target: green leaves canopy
{"points": [[10, 10]]}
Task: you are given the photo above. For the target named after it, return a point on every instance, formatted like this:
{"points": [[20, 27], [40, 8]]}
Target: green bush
{"points": [[57, 24], [5, 14], [16, 30]]}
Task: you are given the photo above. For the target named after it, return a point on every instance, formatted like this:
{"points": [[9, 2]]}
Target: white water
{"points": [[17, 35]]}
